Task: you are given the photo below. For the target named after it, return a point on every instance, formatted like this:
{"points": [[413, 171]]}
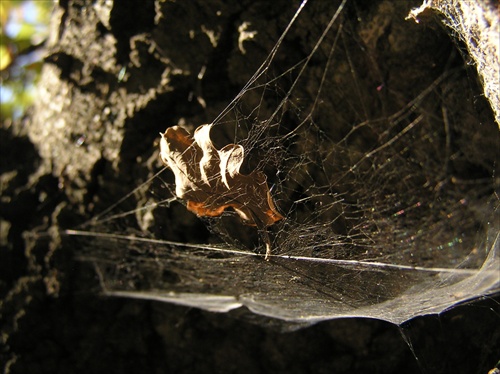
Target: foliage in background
{"points": [[23, 30]]}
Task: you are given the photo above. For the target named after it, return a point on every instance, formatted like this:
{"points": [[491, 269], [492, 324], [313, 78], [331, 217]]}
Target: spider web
{"points": [[389, 193]]}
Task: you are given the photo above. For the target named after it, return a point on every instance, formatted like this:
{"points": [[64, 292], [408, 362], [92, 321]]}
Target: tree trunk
{"points": [[116, 74]]}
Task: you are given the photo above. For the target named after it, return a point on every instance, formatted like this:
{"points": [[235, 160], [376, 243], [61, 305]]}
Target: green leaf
{"points": [[5, 57]]}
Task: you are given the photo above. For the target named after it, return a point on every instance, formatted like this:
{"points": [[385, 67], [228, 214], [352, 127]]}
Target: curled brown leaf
{"points": [[210, 179]]}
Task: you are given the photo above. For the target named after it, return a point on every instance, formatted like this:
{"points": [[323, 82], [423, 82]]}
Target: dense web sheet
{"points": [[389, 197]]}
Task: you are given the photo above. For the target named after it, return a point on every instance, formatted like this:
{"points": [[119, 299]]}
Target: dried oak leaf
{"points": [[210, 181]]}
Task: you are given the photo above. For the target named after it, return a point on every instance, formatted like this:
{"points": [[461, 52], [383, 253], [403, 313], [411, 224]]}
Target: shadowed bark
{"points": [[117, 73]]}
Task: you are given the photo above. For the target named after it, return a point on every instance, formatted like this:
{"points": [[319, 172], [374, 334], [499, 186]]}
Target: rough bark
{"points": [[477, 24], [116, 74]]}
